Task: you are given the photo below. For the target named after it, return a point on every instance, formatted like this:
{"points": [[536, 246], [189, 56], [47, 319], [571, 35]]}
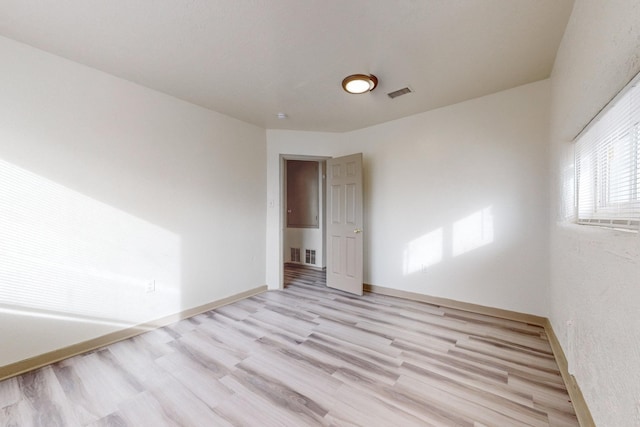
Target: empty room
{"points": [[324, 212]]}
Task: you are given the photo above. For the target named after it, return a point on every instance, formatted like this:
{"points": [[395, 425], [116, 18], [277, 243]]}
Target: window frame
{"points": [[606, 161]]}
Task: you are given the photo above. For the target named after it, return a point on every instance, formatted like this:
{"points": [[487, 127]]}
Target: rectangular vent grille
{"points": [[399, 92], [295, 254], [310, 256]]}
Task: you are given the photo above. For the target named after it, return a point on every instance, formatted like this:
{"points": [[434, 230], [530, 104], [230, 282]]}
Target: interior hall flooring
{"points": [[305, 356]]}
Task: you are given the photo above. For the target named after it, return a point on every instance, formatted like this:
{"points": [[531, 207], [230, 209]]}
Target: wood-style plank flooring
{"points": [[305, 356]]}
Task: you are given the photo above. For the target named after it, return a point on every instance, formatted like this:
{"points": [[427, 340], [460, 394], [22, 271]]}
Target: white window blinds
{"points": [[607, 158]]}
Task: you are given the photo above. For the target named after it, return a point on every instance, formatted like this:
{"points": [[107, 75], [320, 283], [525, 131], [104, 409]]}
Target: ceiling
{"points": [[251, 59]]}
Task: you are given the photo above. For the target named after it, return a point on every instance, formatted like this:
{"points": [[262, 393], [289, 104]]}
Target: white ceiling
{"points": [[251, 59]]}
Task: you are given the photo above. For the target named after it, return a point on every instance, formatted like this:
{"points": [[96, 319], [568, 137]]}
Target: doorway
{"points": [[326, 232], [303, 212]]}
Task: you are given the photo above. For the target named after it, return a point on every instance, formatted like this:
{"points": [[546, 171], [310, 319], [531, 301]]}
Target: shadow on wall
{"points": [[466, 234], [66, 256]]}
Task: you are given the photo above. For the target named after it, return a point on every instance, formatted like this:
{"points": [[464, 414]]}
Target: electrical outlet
{"points": [[151, 286]]}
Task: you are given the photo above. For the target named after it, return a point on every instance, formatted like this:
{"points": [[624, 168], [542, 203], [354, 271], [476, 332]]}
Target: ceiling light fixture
{"points": [[359, 83]]}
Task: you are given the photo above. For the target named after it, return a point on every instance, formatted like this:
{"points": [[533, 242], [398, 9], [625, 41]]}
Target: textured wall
{"points": [[595, 273]]}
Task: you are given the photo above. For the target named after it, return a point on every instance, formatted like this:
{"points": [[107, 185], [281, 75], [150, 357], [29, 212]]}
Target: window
{"points": [[607, 158]]}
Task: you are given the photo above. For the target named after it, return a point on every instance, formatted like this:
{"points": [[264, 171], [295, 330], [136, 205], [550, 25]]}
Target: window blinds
{"points": [[607, 158]]}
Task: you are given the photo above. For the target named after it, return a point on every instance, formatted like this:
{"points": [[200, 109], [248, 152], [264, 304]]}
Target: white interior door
{"points": [[344, 223]]}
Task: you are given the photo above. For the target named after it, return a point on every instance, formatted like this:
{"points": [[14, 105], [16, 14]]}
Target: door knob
{"points": [[357, 230]]}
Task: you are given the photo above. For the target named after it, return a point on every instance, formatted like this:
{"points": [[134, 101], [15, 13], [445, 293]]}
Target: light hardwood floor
{"points": [[305, 356]]}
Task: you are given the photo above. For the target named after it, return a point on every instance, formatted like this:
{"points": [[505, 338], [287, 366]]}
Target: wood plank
{"points": [[305, 356]]}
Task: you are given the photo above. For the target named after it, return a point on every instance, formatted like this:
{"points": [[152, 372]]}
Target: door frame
{"points": [[282, 214]]}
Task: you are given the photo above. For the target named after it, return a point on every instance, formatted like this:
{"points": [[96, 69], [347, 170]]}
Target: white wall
{"points": [[303, 238], [468, 179], [106, 186], [595, 273]]}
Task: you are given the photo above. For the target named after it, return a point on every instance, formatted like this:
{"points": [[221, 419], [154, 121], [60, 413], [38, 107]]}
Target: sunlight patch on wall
{"points": [[465, 235], [473, 231], [59, 316], [423, 252], [65, 254]]}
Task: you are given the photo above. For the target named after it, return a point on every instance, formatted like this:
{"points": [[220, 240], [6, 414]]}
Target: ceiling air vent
{"points": [[399, 92]]}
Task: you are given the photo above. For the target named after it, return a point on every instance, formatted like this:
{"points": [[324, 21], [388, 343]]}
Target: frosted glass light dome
{"points": [[359, 83]]}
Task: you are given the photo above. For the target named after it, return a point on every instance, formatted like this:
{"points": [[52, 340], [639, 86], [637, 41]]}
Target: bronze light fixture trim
{"points": [[359, 83]]}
